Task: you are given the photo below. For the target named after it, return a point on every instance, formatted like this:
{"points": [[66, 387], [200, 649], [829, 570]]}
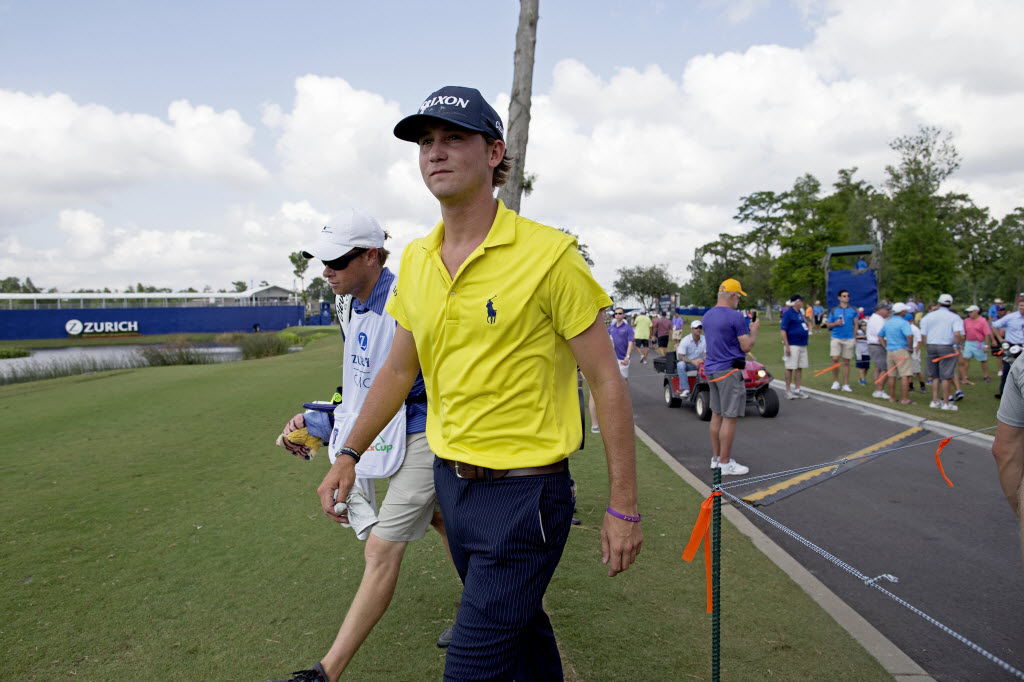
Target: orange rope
{"points": [[727, 374], [702, 533], [938, 460], [827, 369]]}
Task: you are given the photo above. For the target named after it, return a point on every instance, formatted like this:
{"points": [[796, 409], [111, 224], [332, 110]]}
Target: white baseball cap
{"points": [[900, 307], [356, 230], [972, 308], [945, 299], [696, 324]]}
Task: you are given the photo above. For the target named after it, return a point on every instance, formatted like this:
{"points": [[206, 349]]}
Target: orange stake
{"points": [[827, 369], [702, 533], [886, 372], [943, 357], [938, 460]]}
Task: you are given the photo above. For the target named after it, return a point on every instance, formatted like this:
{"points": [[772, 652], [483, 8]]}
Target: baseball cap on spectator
{"points": [[899, 307], [998, 301], [731, 286], [972, 308], [358, 230], [696, 324], [462, 107], [945, 299], [882, 305]]}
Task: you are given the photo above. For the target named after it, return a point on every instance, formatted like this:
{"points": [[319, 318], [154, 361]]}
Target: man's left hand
{"points": [[620, 543]]}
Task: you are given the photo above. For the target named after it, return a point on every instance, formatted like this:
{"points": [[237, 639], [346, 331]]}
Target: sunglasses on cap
{"points": [[340, 263]]}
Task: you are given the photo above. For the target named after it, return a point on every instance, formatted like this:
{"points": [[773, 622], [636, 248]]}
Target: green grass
{"points": [[977, 410], [150, 530]]}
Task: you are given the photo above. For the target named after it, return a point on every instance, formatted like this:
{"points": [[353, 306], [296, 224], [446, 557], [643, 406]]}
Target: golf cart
{"points": [[694, 388]]}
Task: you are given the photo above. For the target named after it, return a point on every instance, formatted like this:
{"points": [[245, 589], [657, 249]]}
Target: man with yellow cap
{"points": [[728, 339]]}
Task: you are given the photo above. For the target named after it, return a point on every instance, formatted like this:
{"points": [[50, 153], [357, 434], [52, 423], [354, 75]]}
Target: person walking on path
{"points": [[642, 334], [1010, 329], [729, 339], [622, 336], [503, 414], [795, 335], [662, 331], [875, 349], [941, 330], [842, 346], [353, 255], [1008, 446], [897, 338], [978, 339]]}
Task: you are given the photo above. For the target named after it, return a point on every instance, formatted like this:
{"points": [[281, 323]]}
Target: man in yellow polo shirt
{"points": [[642, 334], [498, 311]]}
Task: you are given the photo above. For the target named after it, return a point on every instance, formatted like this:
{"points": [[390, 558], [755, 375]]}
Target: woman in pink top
{"points": [[978, 338]]}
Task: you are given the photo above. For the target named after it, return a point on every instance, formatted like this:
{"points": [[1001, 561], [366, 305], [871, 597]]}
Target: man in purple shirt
{"points": [[728, 340], [622, 341]]}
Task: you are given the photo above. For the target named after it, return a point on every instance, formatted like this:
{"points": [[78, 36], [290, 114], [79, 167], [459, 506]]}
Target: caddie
{"points": [[353, 255], [498, 310]]}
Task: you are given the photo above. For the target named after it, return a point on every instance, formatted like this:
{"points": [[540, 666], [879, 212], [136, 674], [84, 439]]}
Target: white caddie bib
{"points": [[368, 339]]}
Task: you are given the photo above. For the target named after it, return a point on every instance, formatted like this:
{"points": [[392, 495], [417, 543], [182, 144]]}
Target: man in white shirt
{"points": [[875, 349], [941, 329], [690, 353]]}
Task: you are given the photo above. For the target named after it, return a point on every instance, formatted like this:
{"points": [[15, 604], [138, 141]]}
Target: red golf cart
{"points": [[694, 389]]}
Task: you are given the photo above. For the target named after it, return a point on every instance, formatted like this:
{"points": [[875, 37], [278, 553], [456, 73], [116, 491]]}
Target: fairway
{"points": [[151, 531]]}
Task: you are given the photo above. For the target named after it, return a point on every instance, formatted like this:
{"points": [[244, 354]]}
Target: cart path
{"points": [[955, 550]]}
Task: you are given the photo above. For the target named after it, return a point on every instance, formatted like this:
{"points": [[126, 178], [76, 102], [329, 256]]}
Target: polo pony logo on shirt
{"points": [[492, 314]]}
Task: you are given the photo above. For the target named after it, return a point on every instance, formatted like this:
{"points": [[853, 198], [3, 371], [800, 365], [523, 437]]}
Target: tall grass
{"points": [[151, 356], [174, 354], [263, 345], [6, 353]]}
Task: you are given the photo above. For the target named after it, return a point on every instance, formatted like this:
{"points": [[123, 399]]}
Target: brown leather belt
{"points": [[477, 473]]}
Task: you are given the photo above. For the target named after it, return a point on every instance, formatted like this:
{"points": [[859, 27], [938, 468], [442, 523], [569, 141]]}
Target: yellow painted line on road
{"points": [[814, 473]]}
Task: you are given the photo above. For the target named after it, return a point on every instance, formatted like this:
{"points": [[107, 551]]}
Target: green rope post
{"points": [[716, 565]]}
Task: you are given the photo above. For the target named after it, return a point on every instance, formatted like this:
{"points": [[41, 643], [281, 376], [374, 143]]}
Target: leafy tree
{"points": [[299, 265], [645, 283], [713, 262], [975, 235], [319, 290], [239, 286], [583, 248]]}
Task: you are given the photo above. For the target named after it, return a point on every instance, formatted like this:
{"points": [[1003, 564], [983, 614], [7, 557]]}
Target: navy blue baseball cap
{"points": [[463, 107]]}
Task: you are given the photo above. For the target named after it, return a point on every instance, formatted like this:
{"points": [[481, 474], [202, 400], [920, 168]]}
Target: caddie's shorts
{"points": [[943, 369], [728, 396], [410, 501]]}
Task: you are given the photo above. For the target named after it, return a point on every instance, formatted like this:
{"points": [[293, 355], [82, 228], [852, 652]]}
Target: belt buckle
{"points": [[458, 470]]}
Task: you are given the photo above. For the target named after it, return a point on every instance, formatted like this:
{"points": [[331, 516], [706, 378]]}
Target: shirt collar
{"points": [[503, 230], [378, 297]]}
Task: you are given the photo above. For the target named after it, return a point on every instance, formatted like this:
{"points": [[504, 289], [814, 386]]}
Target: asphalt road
{"points": [[955, 550]]}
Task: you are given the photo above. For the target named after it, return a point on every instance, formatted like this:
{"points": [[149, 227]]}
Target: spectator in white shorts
{"points": [[842, 345], [795, 334]]}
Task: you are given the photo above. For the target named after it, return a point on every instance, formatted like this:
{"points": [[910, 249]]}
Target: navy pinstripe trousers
{"points": [[506, 538]]}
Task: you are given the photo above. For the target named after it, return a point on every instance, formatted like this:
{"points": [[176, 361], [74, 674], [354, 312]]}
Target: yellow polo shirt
{"points": [[499, 374]]}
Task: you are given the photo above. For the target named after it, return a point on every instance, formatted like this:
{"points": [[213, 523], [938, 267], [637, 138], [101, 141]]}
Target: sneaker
{"points": [[685, 393], [935, 403], [884, 395], [790, 395], [877, 394], [862, 382], [714, 462], [958, 396], [847, 389], [923, 389], [733, 468], [446, 636], [314, 674], [595, 429], [800, 393], [949, 407], [835, 385]]}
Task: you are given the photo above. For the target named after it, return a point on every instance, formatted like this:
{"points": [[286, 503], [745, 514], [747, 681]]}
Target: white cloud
{"points": [[55, 150]]}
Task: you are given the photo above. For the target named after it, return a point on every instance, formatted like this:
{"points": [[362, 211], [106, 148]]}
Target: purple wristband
{"points": [[624, 517]]}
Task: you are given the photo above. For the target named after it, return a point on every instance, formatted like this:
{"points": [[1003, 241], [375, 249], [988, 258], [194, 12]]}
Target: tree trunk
{"points": [[518, 131]]}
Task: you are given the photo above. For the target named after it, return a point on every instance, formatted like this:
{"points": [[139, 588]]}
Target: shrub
{"points": [[174, 354], [6, 353], [263, 345]]}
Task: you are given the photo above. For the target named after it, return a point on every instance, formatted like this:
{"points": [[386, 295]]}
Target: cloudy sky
{"points": [[195, 143]]}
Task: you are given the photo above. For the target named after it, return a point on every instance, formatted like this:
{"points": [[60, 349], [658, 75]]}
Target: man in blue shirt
{"points": [[843, 344], [795, 334], [1009, 328], [728, 340], [897, 338]]}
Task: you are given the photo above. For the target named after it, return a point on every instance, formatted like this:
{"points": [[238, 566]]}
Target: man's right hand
{"points": [[336, 486], [297, 422]]}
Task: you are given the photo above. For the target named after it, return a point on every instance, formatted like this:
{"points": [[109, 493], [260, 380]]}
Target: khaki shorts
{"points": [[728, 396], [842, 348], [797, 358], [409, 503], [905, 368]]}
